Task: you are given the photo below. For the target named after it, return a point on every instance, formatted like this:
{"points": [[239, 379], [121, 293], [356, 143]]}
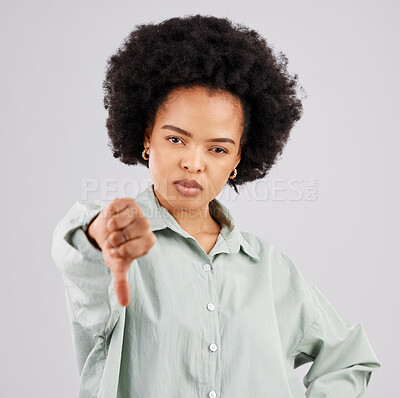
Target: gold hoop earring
{"points": [[234, 175], [144, 153]]}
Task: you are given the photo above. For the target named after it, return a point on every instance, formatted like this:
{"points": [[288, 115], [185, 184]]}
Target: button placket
{"points": [[210, 306], [212, 347], [207, 267]]}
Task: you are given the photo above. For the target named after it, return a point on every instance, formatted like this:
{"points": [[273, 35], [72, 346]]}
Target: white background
{"points": [[53, 139]]}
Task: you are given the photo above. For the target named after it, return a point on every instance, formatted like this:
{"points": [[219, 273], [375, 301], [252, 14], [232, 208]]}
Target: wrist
{"points": [[89, 235]]}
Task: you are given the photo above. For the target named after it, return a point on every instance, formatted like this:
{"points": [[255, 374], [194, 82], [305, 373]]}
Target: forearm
{"points": [[343, 359], [89, 235], [88, 280]]}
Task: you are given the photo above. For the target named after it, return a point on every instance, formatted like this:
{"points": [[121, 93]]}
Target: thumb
{"points": [[121, 285]]}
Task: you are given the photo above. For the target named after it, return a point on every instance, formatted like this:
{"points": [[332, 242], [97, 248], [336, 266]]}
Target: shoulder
{"points": [[265, 249], [290, 287], [283, 269]]}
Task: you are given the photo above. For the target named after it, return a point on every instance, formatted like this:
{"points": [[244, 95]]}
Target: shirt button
{"points": [[212, 394], [213, 347], [206, 267], [211, 306]]}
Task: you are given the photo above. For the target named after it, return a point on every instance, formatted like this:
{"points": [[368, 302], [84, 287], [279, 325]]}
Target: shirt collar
{"points": [[230, 239]]}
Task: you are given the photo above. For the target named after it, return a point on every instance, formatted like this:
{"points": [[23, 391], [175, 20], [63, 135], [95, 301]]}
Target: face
{"points": [[196, 136]]}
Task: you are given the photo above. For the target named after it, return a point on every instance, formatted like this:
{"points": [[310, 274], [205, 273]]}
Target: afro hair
{"points": [[211, 52]]}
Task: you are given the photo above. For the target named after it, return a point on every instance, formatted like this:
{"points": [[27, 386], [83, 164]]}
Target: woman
{"points": [[166, 297]]}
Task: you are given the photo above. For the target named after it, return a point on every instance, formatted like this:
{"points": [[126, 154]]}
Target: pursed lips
{"points": [[189, 183]]}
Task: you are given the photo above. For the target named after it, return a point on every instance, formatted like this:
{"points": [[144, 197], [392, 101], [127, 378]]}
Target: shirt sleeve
{"points": [[92, 304], [342, 356]]}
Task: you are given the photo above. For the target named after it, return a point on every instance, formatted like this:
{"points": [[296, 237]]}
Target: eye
{"points": [[171, 138], [177, 138], [223, 150]]}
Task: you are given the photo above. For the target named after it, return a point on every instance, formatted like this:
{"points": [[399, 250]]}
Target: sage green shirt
{"points": [[232, 324]]}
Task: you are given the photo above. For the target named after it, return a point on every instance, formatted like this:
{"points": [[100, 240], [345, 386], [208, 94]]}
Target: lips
{"points": [[189, 183]]}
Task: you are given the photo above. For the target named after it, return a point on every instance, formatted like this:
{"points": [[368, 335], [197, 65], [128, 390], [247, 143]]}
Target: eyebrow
{"points": [[179, 130]]}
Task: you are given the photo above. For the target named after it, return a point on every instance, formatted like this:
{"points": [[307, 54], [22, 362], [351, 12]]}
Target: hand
{"points": [[123, 234]]}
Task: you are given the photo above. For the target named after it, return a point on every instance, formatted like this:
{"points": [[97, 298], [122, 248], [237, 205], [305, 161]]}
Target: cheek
{"points": [[221, 168], [160, 163]]}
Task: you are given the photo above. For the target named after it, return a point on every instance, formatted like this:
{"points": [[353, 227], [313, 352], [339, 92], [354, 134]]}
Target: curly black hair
{"points": [[215, 53]]}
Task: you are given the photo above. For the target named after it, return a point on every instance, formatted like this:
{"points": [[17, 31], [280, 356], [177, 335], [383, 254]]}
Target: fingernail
{"points": [[114, 252]]}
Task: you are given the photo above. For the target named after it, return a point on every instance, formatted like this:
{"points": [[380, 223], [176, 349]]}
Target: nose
{"points": [[193, 160]]}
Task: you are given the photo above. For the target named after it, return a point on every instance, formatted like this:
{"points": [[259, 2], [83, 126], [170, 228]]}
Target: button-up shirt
{"points": [[232, 323]]}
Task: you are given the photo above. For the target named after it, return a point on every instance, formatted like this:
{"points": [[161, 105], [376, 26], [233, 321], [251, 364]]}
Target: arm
{"points": [[342, 356], [91, 302], [97, 319], [313, 331], [87, 229]]}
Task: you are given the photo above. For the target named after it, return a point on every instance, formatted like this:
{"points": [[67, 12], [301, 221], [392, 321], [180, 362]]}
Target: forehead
{"points": [[202, 111]]}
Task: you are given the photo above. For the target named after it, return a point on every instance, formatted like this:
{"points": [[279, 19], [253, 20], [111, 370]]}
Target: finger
{"points": [[136, 247], [134, 230], [117, 205], [124, 217], [139, 227], [116, 238], [121, 286]]}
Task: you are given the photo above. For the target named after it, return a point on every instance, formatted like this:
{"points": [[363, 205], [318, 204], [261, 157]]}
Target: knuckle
{"points": [[111, 209], [123, 250], [133, 202], [149, 242], [113, 238], [145, 223], [130, 212], [130, 202], [114, 203], [112, 223], [151, 239]]}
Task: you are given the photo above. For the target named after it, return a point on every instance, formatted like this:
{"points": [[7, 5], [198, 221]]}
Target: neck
{"points": [[194, 221]]}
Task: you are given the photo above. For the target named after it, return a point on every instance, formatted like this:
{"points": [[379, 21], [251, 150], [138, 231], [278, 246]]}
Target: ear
{"points": [[238, 158], [147, 137]]}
